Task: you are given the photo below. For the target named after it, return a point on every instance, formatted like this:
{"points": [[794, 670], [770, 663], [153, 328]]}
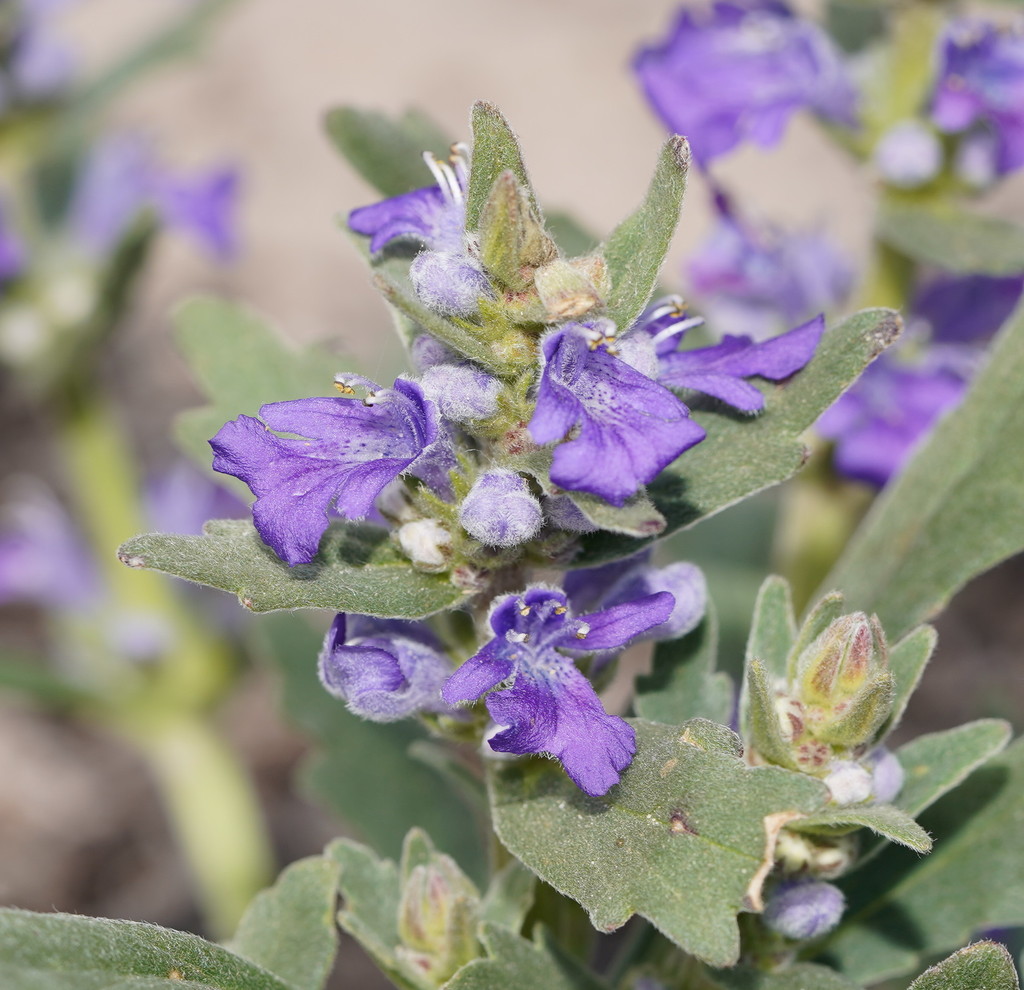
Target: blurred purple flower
{"points": [[202, 206], [877, 424], [908, 155], [386, 669], [12, 251], [754, 280], [354, 448], [41, 63], [981, 87], [965, 308], [629, 426], [181, 499], [738, 71], [547, 705]]}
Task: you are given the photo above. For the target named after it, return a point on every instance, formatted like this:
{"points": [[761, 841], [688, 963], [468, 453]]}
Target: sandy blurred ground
{"points": [[256, 96]]}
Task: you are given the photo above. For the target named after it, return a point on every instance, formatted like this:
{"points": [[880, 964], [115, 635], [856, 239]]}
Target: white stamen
{"points": [[446, 179], [671, 304], [581, 633], [673, 329], [516, 637]]}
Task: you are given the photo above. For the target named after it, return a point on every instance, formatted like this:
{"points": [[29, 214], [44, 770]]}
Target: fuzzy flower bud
{"points": [[886, 775], [450, 284], [462, 393], [500, 510], [848, 782], [425, 542], [908, 155], [804, 909]]}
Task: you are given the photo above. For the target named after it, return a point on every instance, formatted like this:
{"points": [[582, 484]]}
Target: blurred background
{"points": [[82, 826]]}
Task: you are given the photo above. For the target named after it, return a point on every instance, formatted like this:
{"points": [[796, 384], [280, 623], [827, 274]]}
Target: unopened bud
{"points": [[449, 284], [839, 662], [513, 242], [500, 510], [804, 909], [886, 775], [425, 542], [565, 290], [848, 783]]}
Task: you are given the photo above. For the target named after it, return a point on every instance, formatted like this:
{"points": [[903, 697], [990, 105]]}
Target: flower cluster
{"points": [[484, 461]]}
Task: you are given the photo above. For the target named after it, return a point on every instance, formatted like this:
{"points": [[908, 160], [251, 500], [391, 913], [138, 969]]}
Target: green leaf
{"points": [[68, 952], [495, 150], [352, 756], [934, 764], [637, 247], [513, 963], [239, 362], [952, 238], [907, 660], [371, 894], [800, 976], [901, 910], [636, 517], [386, 152], [510, 896], [982, 966], [357, 569], [683, 683], [289, 929], [882, 819], [740, 455], [773, 627], [682, 840], [955, 510], [759, 715]]}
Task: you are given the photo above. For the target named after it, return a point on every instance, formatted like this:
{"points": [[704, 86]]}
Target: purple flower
{"points": [[629, 426], [202, 206], [719, 370], [462, 392], [965, 308], [739, 71], [500, 510], [12, 251], [434, 215], [546, 704], [877, 424], [804, 909], [756, 280], [355, 448], [981, 87], [181, 500], [384, 669], [635, 577], [886, 775], [41, 64], [908, 155]]}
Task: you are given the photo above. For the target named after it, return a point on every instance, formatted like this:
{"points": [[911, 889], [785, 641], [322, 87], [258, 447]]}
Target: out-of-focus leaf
{"points": [[570, 236], [289, 929], [683, 683], [902, 909], [636, 248], [955, 510], [352, 756], [510, 896], [513, 963], [386, 152], [952, 238], [982, 966], [740, 455], [68, 952], [801, 976], [681, 840]]}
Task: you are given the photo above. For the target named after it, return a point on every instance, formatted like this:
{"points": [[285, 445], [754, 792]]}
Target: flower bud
{"points": [[425, 542], [839, 661], [908, 155], [804, 909], [513, 242], [461, 392], [565, 290], [437, 920], [449, 284], [500, 510], [886, 775], [848, 782]]}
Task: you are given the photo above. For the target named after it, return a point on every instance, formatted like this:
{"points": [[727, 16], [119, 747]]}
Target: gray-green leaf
{"points": [[289, 929], [637, 247], [902, 910], [882, 819], [955, 510], [953, 239], [982, 966], [773, 627], [741, 456], [495, 150], [386, 152], [357, 570], [682, 839], [683, 683], [68, 952]]}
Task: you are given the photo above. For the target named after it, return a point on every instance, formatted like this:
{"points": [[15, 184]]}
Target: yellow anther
{"points": [[560, 610], [525, 610], [344, 389]]}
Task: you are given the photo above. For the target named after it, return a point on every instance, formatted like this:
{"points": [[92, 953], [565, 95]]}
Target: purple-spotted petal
{"points": [[630, 427], [556, 711]]}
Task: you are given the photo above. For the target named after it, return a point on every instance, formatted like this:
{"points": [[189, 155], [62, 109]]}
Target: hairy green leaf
{"points": [[68, 952], [773, 627], [982, 966], [636, 248], [513, 963], [740, 455], [357, 570], [907, 660], [495, 150], [955, 510], [683, 683], [387, 152], [901, 909], [289, 929], [882, 819], [637, 517], [800, 976], [682, 840], [510, 896], [952, 238]]}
